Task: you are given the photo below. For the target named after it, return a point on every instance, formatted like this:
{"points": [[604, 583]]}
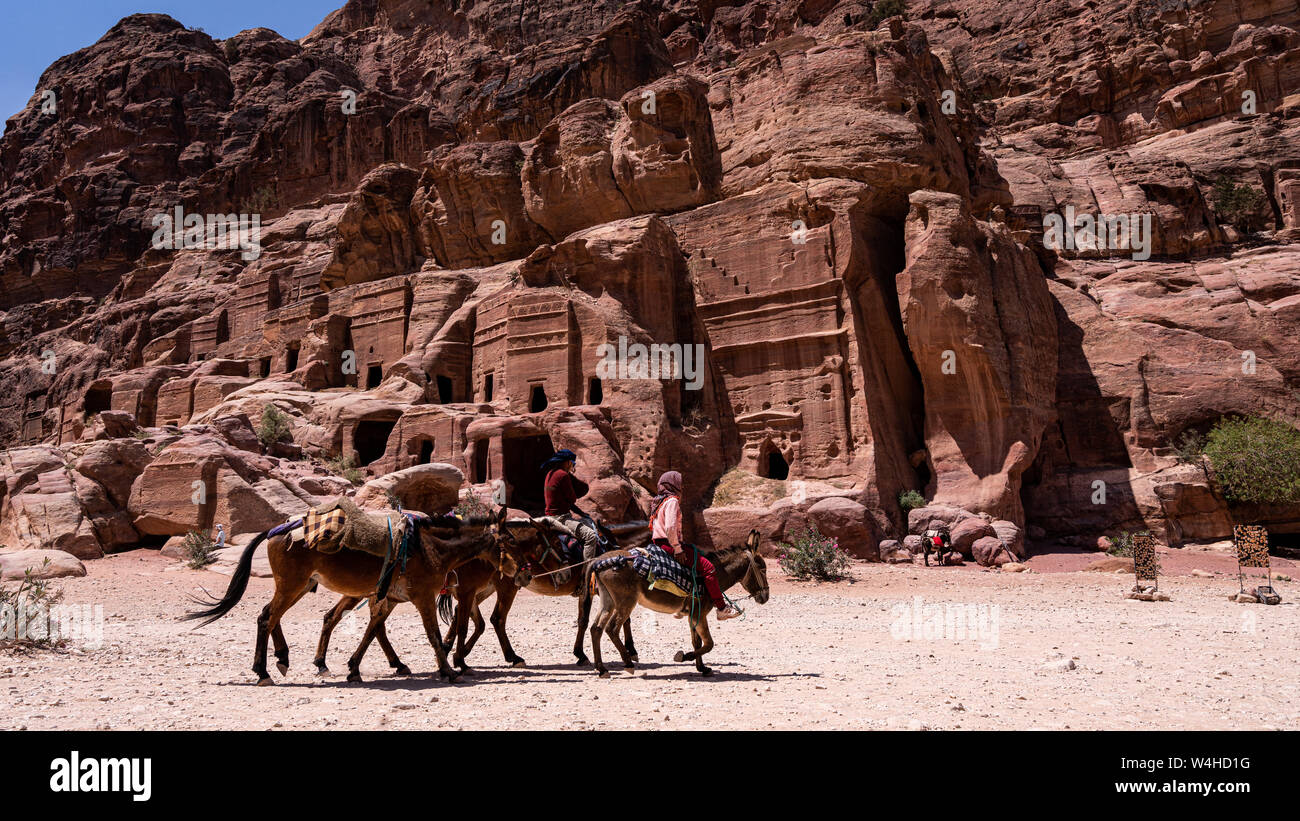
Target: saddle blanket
{"points": [[320, 530], [570, 549], [660, 570]]}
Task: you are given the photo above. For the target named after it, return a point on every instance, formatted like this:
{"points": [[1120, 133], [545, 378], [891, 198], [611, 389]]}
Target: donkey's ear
{"points": [[501, 514]]}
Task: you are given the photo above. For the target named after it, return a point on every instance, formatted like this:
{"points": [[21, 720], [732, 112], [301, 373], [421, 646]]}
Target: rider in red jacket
{"points": [[562, 491]]}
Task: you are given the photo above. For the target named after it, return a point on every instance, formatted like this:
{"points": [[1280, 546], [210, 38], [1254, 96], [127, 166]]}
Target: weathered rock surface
{"points": [[464, 210], [43, 564], [431, 489]]}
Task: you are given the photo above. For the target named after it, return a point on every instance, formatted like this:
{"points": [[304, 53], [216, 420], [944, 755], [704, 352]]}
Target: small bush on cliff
{"points": [[273, 426], [472, 505], [885, 9], [810, 555], [262, 200], [909, 500], [28, 605], [346, 467], [197, 550], [1190, 448], [1255, 460], [1235, 204]]}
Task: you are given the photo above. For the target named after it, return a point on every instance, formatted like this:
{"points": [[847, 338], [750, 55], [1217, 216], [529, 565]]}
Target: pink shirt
{"points": [[667, 523]]}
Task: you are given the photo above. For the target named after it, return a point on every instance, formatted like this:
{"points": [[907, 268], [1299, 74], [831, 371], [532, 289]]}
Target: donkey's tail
{"points": [[216, 608]]}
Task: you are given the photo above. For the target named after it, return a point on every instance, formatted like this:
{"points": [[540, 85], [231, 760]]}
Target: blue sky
{"points": [[35, 33]]}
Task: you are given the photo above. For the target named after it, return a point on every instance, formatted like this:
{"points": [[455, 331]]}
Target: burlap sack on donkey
{"points": [[339, 524]]}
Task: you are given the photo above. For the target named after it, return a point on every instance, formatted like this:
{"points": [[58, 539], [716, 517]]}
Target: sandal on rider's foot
{"points": [[727, 612]]}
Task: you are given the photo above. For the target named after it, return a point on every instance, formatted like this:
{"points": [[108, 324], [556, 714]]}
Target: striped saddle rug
{"points": [[660, 570]]}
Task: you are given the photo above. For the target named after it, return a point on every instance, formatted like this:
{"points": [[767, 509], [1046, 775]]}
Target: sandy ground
{"points": [[821, 656]]}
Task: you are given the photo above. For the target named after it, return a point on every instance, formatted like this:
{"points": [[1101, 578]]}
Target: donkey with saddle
{"points": [[361, 555]]}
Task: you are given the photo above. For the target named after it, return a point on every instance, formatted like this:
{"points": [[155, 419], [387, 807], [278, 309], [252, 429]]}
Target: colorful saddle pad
{"points": [[660, 570], [570, 549], [321, 530]]}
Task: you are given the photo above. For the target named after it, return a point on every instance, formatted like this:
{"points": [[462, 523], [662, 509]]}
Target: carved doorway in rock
{"points": [[98, 398], [423, 450], [772, 464], [480, 474], [370, 440], [223, 328], [537, 399], [521, 466]]}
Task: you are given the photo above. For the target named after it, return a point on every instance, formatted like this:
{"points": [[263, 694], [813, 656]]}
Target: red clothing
{"points": [[686, 555], [560, 493]]}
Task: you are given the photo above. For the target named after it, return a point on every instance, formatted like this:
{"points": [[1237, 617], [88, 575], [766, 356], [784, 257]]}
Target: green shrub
{"points": [[1255, 460], [1122, 545], [274, 426], [472, 505], [33, 598], [1235, 204], [909, 500], [346, 466], [810, 555], [1190, 447], [197, 550], [884, 9], [261, 200]]}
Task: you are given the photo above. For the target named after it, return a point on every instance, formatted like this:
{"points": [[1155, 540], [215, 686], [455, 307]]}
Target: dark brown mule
{"points": [[356, 573], [504, 569], [475, 580], [622, 589], [475, 583]]}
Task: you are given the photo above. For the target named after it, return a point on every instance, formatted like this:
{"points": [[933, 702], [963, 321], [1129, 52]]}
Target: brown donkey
{"points": [[356, 574], [474, 581], [622, 589]]}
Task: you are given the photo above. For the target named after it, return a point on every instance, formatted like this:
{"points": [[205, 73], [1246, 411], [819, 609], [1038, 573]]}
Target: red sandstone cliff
{"points": [[461, 203]]}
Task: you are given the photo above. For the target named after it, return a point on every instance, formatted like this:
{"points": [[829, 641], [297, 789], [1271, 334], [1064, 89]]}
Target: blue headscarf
{"points": [[559, 458]]}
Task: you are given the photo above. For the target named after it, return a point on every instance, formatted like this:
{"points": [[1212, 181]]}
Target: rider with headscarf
{"points": [[562, 490], [666, 531]]}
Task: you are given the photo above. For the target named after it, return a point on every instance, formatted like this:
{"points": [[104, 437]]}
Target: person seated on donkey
{"points": [[666, 532], [562, 491]]}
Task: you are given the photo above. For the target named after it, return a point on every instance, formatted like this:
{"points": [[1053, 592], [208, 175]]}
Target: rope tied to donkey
{"points": [[562, 569], [391, 561]]}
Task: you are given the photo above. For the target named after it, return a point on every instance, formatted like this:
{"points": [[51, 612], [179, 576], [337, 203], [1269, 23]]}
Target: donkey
{"points": [[622, 589], [504, 570], [475, 584], [478, 579], [355, 573]]}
